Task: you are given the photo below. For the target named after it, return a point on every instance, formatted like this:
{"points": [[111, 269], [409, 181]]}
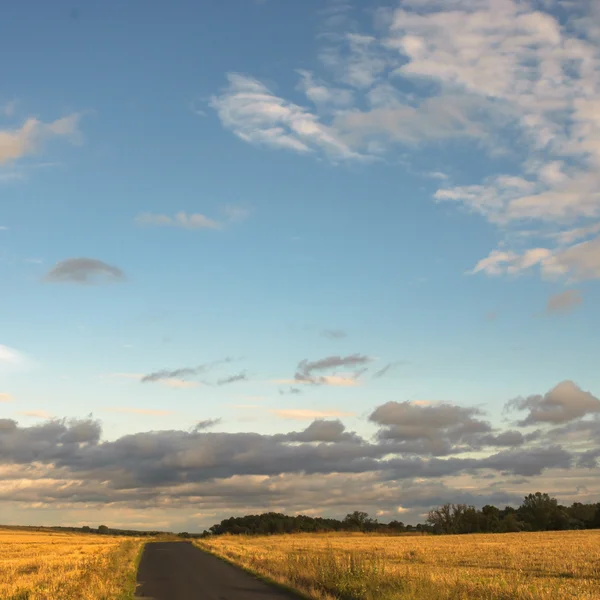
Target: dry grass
{"points": [[514, 566], [66, 566]]}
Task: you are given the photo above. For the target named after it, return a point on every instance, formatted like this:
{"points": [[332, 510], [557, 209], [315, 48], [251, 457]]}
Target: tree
{"points": [[103, 529], [540, 512], [490, 518], [358, 520], [441, 519]]}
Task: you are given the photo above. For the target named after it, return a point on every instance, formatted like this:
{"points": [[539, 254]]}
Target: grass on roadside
{"points": [[51, 566], [525, 566]]}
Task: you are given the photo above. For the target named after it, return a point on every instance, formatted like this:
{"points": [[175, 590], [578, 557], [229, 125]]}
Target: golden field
{"points": [[512, 566], [66, 566]]}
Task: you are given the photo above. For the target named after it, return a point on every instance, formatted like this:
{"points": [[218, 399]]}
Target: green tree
{"points": [[358, 520], [540, 511]]}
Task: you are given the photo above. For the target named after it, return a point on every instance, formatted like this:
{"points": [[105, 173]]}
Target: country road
{"points": [[180, 571]]}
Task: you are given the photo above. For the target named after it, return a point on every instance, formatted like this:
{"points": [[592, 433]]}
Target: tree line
{"points": [[537, 512]]}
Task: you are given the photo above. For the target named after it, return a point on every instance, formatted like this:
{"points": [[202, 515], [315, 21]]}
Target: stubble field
{"points": [[51, 566], [514, 566]]}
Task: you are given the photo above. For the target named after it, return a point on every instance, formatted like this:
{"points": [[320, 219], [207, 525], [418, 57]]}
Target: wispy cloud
{"points": [[84, 271], [503, 76], [194, 221], [35, 414], [172, 382], [255, 114], [5, 397], [181, 220], [233, 379], [307, 371], [165, 374], [387, 368], [207, 424]]}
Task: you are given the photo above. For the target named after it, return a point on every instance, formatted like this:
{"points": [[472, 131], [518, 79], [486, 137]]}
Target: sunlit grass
{"points": [[514, 566], [66, 566]]}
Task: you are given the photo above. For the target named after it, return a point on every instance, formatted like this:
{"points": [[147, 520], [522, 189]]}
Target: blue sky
{"points": [[233, 188]]}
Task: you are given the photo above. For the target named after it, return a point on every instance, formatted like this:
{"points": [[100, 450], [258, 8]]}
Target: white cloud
{"points": [[323, 95], [27, 139], [502, 75], [575, 263], [358, 60], [181, 220], [232, 214], [256, 115], [172, 382], [11, 358]]}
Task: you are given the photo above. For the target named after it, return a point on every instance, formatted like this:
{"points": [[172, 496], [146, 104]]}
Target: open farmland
{"points": [[514, 566], [66, 566]]}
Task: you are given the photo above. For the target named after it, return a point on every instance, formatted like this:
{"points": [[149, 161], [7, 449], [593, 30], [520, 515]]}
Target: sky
{"points": [[311, 257]]}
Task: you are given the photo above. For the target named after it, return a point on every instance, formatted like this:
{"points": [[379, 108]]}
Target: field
{"points": [[513, 566], [51, 566]]}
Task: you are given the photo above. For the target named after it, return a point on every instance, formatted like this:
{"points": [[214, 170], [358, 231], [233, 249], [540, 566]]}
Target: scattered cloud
{"points": [[5, 397], [84, 271], [562, 404], [579, 262], [563, 302], [233, 378], [181, 220], [183, 372], [172, 382], [323, 467], [306, 370], [291, 390], [207, 424], [507, 78], [436, 429], [30, 137]]}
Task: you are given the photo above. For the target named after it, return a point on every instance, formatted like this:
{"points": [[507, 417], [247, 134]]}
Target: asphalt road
{"points": [[180, 571]]}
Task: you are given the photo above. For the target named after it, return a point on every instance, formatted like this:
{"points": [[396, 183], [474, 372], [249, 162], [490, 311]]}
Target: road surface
{"points": [[180, 571]]}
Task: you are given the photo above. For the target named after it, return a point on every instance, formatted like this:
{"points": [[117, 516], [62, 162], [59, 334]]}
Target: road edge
{"points": [[282, 586], [132, 584]]}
